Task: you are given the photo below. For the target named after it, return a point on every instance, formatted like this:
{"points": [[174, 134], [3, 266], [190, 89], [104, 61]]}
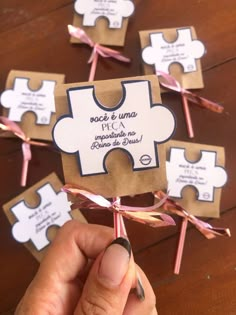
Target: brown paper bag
{"points": [[189, 194], [32, 200], [190, 80], [120, 180], [28, 122]]}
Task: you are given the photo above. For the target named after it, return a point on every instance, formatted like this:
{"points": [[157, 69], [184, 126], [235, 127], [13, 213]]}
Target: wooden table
{"points": [[33, 37]]}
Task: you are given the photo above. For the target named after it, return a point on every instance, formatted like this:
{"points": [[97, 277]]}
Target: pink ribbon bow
{"points": [[145, 215], [97, 50], [205, 228], [8, 125], [170, 83]]}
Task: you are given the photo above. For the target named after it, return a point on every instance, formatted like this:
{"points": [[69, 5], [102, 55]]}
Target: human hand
{"points": [[81, 274]]}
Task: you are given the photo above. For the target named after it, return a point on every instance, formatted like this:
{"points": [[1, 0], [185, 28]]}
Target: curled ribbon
{"points": [[8, 125], [170, 83], [98, 50], [205, 228], [145, 215]]}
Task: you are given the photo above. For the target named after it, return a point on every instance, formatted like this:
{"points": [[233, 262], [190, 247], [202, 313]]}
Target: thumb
{"points": [[109, 282]]}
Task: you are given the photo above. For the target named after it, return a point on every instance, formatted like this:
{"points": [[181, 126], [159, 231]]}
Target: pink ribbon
{"points": [[8, 125], [98, 50], [205, 228], [145, 215], [170, 83], [119, 225], [89, 200]]}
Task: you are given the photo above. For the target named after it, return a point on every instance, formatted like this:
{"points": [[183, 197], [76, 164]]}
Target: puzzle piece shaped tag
{"points": [[113, 10], [22, 99], [33, 223], [204, 174], [184, 50], [135, 125]]}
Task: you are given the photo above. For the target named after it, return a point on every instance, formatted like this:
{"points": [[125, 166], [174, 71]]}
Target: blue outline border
{"points": [[110, 109]]}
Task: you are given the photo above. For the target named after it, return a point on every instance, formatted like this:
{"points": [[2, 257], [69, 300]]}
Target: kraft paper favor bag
{"points": [[37, 213], [29, 101], [175, 51], [105, 23], [111, 135], [196, 176]]}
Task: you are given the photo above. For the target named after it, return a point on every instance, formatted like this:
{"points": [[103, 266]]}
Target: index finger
{"points": [[74, 244]]}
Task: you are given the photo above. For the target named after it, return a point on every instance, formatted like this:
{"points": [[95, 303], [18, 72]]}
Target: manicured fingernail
{"points": [[139, 289], [115, 262]]}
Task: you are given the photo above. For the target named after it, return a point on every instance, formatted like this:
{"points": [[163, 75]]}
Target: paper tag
{"points": [[203, 174], [135, 125], [37, 211], [113, 10], [195, 174], [102, 33], [29, 101], [21, 99], [184, 50], [176, 51], [120, 179], [33, 223]]}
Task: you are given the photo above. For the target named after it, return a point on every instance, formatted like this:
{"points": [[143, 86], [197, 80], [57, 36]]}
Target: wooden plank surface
{"points": [[33, 37], [207, 282]]}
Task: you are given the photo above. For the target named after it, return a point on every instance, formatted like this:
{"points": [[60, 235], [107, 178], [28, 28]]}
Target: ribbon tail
{"points": [[119, 225], [94, 60], [26, 158], [209, 231], [123, 228], [180, 248], [8, 125], [96, 199], [116, 219], [203, 102], [187, 116], [111, 53], [170, 83], [150, 218]]}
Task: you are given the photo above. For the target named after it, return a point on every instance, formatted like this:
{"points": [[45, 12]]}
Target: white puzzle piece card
{"points": [[21, 99], [184, 50], [175, 51], [29, 101], [113, 10], [33, 223], [111, 134], [135, 125], [41, 209], [197, 167], [204, 174]]}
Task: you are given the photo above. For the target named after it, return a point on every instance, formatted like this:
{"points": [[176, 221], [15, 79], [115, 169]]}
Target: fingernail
{"points": [[115, 262], [139, 289]]}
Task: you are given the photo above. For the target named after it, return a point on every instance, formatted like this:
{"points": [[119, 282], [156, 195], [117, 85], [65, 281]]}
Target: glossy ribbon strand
{"points": [[145, 215], [170, 206], [169, 82], [89, 200], [98, 50]]}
